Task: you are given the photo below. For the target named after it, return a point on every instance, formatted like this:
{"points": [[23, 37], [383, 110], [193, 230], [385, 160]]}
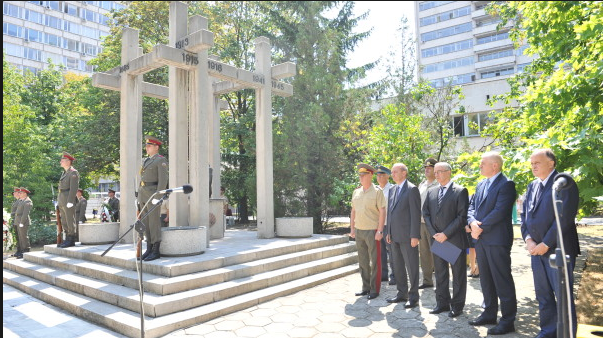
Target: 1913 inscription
{"points": [[182, 43]]}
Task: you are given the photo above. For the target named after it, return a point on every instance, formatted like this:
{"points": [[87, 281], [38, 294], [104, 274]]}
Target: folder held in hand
{"points": [[446, 250]]}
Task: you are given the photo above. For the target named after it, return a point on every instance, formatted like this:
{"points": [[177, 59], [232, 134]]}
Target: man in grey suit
{"points": [[445, 214], [403, 233]]}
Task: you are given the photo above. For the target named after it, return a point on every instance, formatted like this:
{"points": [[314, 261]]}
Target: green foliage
{"points": [[560, 96], [42, 233]]}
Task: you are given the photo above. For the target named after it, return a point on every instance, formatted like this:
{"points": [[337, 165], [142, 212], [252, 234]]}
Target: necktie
{"points": [[537, 193], [395, 197], [441, 195], [485, 191]]}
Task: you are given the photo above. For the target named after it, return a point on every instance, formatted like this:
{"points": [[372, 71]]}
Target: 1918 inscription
{"points": [[214, 66], [190, 59]]}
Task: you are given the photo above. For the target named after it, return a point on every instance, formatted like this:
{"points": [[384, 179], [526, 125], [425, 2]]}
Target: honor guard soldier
{"points": [[68, 185], [80, 207], [153, 178], [22, 222], [13, 213], [113, 205]]}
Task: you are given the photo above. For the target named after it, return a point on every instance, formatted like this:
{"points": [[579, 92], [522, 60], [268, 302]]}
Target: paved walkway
{"points": [[327, 310]]}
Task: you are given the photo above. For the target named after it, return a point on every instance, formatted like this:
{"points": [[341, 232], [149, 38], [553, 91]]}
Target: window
{"points": [[54, 58], [497, 72], [12, 50], [492, 38], [488, 21], [434, 67], [54, 5], [12, 10], [34, 35], [32, 54], [521, 50], [89, 32], [52, 21], [88, 15], [33, 70], [495, 55], [106, 5], [12, 30], [71, 27], [449, 48], [456, 13], [34, 16], [522, 67], [444, 32], [458, 125], [52, 40], [71, 45], [71, 9], [431, 4], [453, 81], [103, 20], [71, 63]]}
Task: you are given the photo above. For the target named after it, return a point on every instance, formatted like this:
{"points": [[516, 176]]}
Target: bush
{"points": [[42, 233]]}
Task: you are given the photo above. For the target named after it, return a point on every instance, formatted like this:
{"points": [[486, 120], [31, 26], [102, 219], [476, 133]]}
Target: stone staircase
{"points": [[235, 272]]}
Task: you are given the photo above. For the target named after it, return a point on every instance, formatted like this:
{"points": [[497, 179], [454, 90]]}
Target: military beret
{"points": [[383, 170], [68, 156], [153, 140], [430, 162], [364, 168]]}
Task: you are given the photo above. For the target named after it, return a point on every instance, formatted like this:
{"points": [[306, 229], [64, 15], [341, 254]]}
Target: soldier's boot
{"points": [[17, 253], [69, 242], [155, 254], [148, 252]]}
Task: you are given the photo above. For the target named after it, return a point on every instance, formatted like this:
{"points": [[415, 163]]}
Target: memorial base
{"points": [[294, 227], [183, 241], [98, 233]]}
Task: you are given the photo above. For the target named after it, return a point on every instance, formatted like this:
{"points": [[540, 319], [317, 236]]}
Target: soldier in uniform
{"points": [[153, 178], [13, 213], [80, 207], [68, 185], [114, 205], [22, 222]]}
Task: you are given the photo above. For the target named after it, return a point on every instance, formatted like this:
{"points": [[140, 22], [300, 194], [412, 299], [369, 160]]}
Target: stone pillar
{"points": [[178, 120], [214, 147], [263, 111], [130, 118], [200, 108]]}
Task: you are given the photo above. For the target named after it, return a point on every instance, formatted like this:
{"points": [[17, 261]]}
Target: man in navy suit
{"points": [[403, 231], [489, 216], [539, 230], [445, 214]]}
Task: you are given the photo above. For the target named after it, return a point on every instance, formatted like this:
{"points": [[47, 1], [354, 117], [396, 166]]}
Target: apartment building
{"points": [[458, 43], [67, 32]]}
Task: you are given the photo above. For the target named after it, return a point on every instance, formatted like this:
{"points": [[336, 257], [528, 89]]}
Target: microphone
{"points": [[562, 181], [187, 189]]}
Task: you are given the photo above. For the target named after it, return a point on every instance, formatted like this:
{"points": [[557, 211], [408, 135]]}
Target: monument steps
{"points": [[235, 273]]}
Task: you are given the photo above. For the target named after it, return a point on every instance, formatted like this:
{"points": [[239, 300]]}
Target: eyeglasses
{"points": [[441, 171]]}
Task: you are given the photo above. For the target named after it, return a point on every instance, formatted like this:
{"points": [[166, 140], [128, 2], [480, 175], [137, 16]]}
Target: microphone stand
{"points": [[558, 260], [140, 228]]}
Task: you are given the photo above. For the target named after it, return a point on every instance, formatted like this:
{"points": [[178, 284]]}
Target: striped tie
{"points": [[441, 195]]}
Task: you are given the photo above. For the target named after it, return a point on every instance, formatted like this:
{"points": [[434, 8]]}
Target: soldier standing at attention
{"points": [[68, 185], [114, 205], [80, 207], [153, 178], [13, 213], [22, 222]]}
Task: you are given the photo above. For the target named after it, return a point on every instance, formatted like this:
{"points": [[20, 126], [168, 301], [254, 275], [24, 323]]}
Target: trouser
{"points": [[369, 260], [496, 280], [68, 219], [152, 220], [406, 261], [459, 282], [546, 284], [426, 256], [22, 238]]}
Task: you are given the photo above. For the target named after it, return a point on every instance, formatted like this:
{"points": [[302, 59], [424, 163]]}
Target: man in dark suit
{"points": [[445, 214], [539, 230], [403, 231], [489, 216]]}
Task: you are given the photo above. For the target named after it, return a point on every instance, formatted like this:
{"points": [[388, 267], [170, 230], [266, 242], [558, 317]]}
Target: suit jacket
{"points": [[404, 217], [539, 221], [450, 217], [495, 211]]}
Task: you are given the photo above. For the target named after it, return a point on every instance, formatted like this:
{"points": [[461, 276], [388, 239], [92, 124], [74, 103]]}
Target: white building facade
{"points": [[458, 43], [67, 32]]}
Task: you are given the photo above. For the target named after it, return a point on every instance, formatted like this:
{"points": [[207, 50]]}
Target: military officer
{"points": [[153, 178], [114, 205], [80, 207], [22, 222], [68, 185], [13, 212]]}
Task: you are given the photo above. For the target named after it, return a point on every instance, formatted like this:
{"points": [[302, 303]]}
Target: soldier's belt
{"points": [[144, 184]]}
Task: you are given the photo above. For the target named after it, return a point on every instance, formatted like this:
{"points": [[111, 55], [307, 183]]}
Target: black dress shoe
{"points": [[424, 286], [439, 309], [362, 293], [396, 299], [454, 313], [372, 295], [410, 305], [501, 329], [482, 321], [392, 282]]}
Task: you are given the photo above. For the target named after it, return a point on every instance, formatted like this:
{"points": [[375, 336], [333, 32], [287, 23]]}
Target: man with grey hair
{"points": [[489, 215], [403, 231], [445, 214]]}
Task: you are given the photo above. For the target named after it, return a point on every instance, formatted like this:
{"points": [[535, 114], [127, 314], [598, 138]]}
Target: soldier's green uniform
{"points": [[22, 222], [68, 185], [13, 213], [153, 178], [114, 205], [80, 210]]}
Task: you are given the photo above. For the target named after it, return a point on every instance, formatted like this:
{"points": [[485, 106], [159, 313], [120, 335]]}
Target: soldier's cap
{"points": [[17, 189], [430, 162], [364, 168], [68, 156], [80, 191], [153, 140], [383, 170], [25, 190], [111, 190]]}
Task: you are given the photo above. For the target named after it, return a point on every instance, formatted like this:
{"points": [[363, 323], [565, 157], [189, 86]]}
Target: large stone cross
{"points": [[194, 121]]}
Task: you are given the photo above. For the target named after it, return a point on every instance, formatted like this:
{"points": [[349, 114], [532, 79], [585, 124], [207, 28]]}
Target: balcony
{"points": [[492, 46], [478, 14], [508, 60]]}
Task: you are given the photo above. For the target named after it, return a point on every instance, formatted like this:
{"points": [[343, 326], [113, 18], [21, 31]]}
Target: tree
{"points": [[560, 95]]}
